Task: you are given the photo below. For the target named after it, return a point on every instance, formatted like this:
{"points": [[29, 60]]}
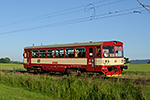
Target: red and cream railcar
{"points": [[100, 57]]}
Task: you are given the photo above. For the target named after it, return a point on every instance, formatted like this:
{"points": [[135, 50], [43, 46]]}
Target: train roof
{"points": [[68, 45]]}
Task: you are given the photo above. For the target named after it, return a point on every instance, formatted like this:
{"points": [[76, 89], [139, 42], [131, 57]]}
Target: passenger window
{"points": [[98, 51], [80, 52], [69, 52], [50, 53], [42, 53], [34, 53], [59, 52], [90, 52]]}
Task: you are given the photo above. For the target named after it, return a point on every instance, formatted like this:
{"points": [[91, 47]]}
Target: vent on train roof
{"points": [[76, 42]]}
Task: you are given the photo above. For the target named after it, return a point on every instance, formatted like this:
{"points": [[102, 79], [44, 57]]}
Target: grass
{"points": [[73, 88], [147, 92], [13, 93], [137, 71], [11, 66], [138, 68]]}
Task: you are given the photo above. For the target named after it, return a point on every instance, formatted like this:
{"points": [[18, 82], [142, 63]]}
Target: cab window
{"points": [[108, 51], [118, 51], [25, 54]]}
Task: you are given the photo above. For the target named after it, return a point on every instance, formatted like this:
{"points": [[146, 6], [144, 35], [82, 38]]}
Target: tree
{"points": [[149, 62], [5, 60]]}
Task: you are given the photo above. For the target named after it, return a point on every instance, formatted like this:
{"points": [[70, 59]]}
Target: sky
{"points": [[45, 22]]}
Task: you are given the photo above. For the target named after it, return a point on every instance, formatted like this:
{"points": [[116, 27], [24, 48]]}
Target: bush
{"points": [[5, 60], [73, 88]]}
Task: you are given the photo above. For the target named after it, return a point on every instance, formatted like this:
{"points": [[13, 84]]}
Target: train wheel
{"points": [[38, 70], [71, 72], [28, 69]]}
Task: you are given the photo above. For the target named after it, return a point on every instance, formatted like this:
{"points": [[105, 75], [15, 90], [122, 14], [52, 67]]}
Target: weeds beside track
{"points": [[60, 75], [73, 88]]}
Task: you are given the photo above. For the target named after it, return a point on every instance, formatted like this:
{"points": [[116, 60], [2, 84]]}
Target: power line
{"points": [[62, 12], [50, 15], [110, 3], [79, 20]]}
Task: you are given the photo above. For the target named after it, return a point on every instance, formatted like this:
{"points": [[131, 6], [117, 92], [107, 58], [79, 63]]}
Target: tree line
{"points": [[8, 60]]}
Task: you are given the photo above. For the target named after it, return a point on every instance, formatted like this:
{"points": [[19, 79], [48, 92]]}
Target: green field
{"points": [[137, 71], [21, 86], [72, 88], [14, 93], [10, 66], [145, 68]]}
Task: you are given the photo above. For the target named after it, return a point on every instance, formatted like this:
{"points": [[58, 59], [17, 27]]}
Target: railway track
{"points": [[60, 75]]}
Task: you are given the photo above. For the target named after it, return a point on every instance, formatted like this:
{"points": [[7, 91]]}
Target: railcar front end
{"points": [[112, 60]]}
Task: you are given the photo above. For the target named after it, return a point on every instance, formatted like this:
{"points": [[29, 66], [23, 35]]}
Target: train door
{"points": [[28, 58], [90, 58]]}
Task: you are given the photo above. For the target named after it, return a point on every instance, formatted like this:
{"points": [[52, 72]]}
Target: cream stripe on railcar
{"points": [[81, 61], [112, 61], [25, 60]]}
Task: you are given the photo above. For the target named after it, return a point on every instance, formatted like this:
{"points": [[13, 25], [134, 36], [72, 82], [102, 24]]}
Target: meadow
{"points": [[71, 87], [137, 71], [16, 93], [138, 68], [11, 66]]}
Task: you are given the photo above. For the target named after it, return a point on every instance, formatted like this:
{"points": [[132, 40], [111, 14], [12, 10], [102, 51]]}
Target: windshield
{"points": [[108, 51], [119, 51], [112, 51]]}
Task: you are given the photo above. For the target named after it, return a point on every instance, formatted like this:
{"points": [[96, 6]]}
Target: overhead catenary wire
{"points": [[50, 15], [61, 13], [82, 19], [79, 20]]}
